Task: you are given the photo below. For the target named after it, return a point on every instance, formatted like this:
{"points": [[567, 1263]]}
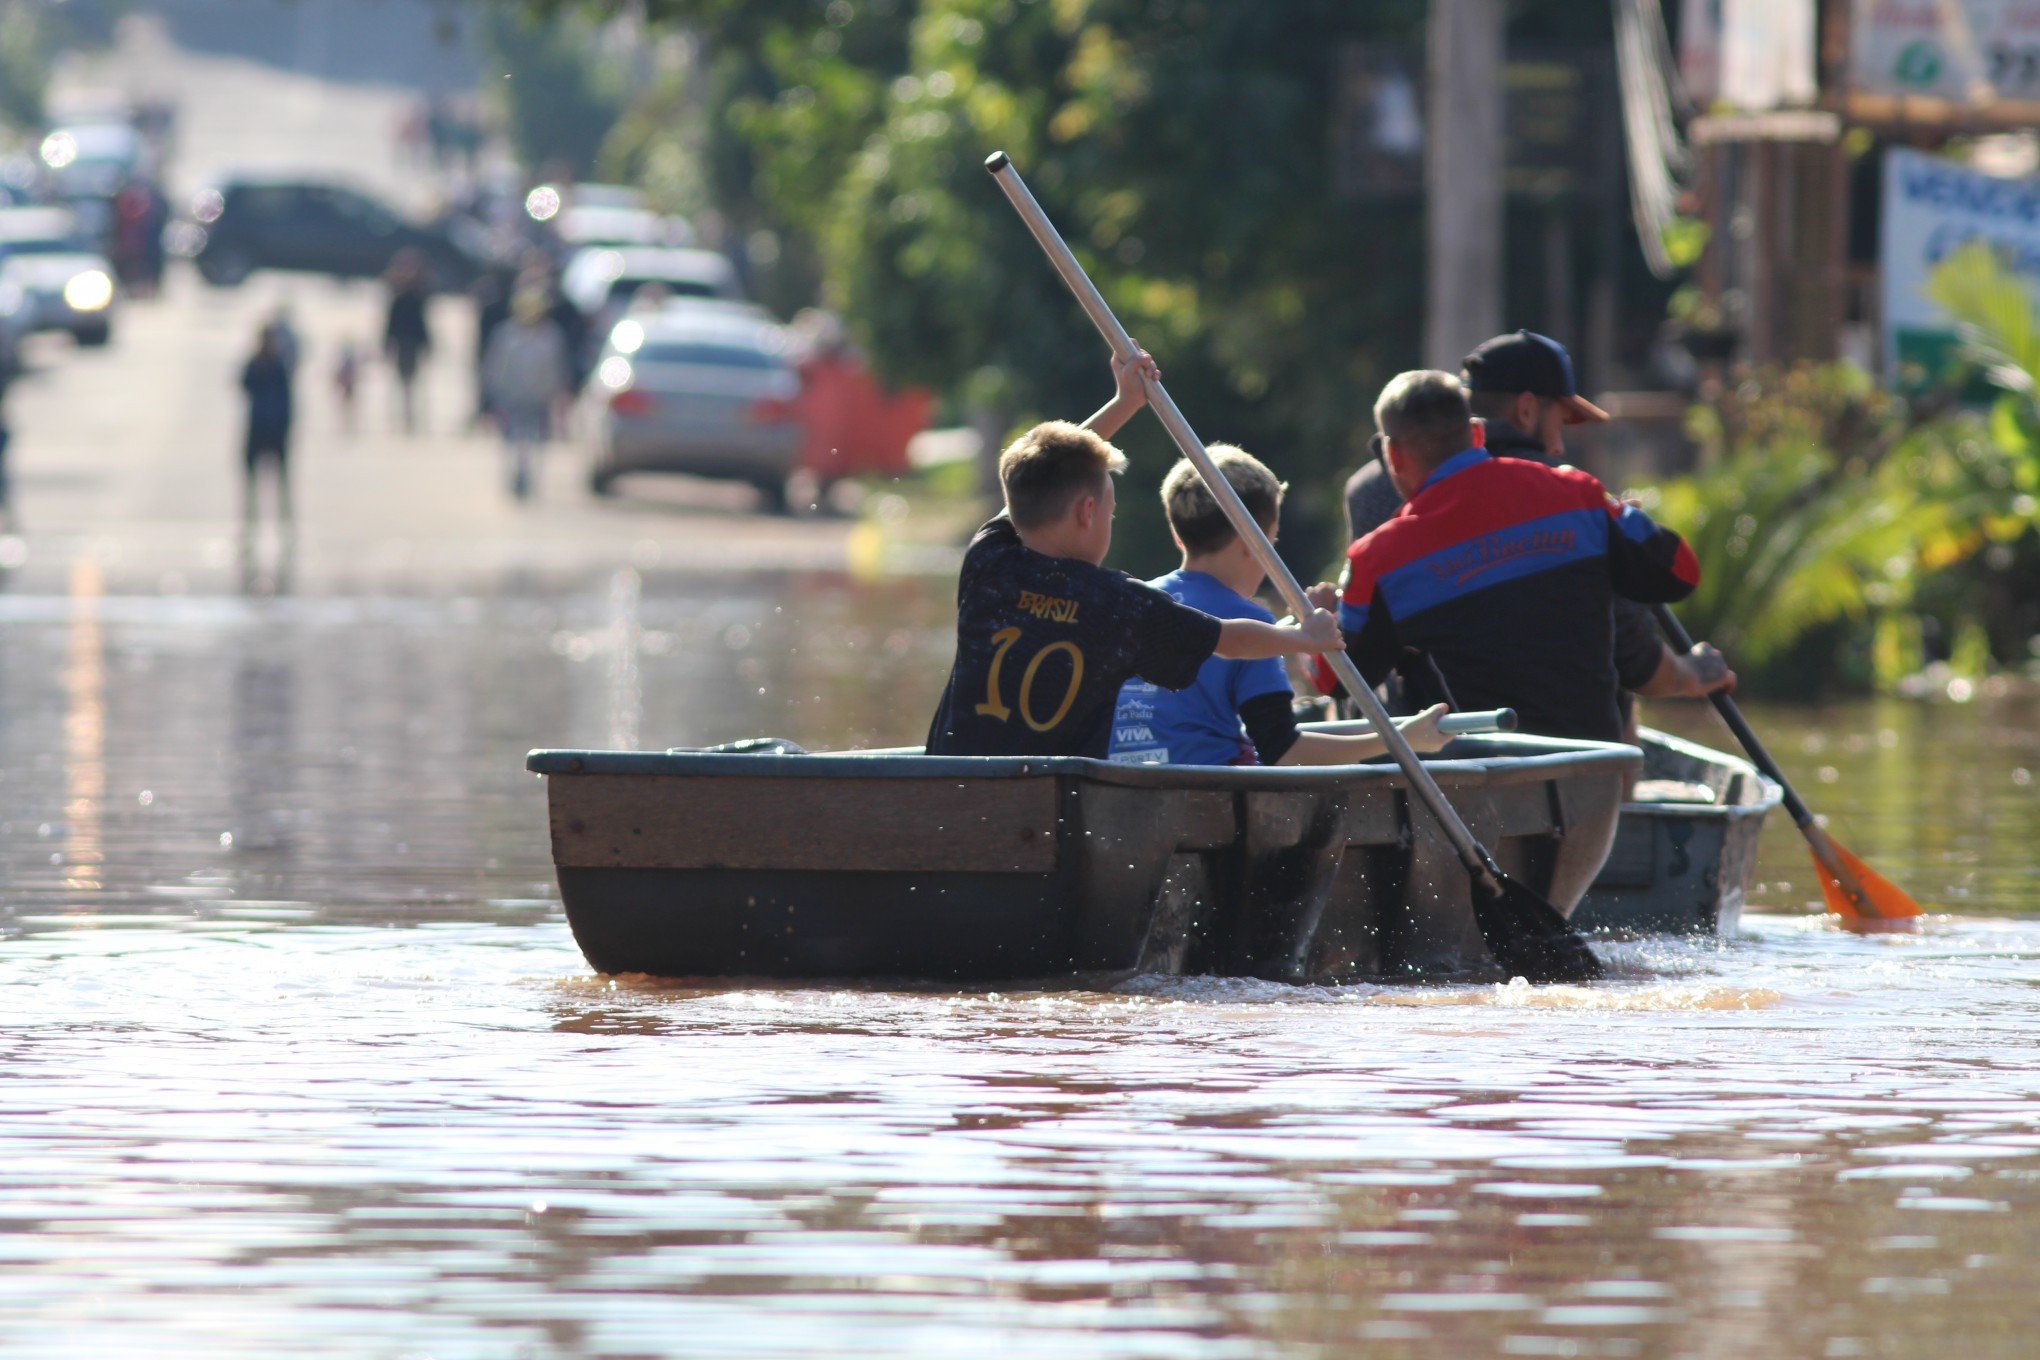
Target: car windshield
{"points": [[703, 352], [626, 288]]}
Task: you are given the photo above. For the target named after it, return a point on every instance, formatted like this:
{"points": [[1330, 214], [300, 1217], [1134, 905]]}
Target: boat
{"points": [[766, 863], [1685, 850]]}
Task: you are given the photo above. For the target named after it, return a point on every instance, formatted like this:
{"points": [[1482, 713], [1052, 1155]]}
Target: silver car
{"points": [[698, 387], [65, 284]]}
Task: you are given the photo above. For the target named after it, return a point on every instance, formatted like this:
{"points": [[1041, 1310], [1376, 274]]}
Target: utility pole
{"points": [[1462, 179]]}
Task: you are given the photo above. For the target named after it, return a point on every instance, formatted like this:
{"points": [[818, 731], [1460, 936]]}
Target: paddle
{"points": [[1856, 893], [1526, 934]]}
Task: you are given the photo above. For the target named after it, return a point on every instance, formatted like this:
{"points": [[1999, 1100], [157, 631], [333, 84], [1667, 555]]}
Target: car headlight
{"points": [[614, 373], [90, 291]]}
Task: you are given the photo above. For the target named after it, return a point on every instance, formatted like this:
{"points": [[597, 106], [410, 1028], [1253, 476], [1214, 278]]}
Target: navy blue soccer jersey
{"points": [[1505, 572], [1043, 645]]}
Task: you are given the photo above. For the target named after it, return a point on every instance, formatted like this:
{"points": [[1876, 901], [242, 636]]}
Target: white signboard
{"points": [[1932, 207], [1967, 52], [1754, 55]]}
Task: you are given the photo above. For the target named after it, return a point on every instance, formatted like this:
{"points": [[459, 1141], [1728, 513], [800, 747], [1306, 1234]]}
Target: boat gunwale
{"points": [[1548, 757], [1766, 794]]}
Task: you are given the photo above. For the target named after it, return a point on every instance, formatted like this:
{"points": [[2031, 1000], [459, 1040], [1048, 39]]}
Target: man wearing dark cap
{"points": [[1522, 387]]}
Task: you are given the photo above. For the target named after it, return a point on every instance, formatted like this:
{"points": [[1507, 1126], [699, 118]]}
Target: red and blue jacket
{"points": [[1504, 571]]}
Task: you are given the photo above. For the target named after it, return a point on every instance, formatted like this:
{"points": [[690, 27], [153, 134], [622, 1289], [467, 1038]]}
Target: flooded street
{"points": [[300, 1057]]}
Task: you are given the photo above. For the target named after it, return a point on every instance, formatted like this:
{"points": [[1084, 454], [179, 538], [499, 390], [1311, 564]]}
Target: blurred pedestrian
{"points": [[347, 383], [406, 338], [265, 378], [9, 366], [132, 218], [525, 374], [492, 293], [287, 346]]}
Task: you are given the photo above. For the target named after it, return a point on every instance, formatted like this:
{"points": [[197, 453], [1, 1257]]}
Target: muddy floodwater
{"points": [[300, 1059]]}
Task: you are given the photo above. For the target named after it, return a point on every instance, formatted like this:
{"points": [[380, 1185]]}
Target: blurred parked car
{"points": [[316, 227], [66, 284], [91, 160], [705, 389], [582, 225], [601, 282], [84, 164], [606, 196]]}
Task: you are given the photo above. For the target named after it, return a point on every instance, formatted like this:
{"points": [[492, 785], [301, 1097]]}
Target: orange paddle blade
{"points": [[1858, 894]]}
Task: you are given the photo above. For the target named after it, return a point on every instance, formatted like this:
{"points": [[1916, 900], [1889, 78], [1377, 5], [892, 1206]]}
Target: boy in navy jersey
{"points": [[1238, 712], [1045, 636]]}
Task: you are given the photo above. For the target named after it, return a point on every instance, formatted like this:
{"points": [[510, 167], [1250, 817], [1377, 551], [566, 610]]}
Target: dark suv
{"points": [[252, 224]]}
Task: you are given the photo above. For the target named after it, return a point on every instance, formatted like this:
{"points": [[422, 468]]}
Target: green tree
{"points": [[1186, 147], [560, 92], [25, 52]]}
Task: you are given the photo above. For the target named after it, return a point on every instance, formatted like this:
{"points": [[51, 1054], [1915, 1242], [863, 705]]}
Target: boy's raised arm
{"points": [[1129, 394], [1252, 640]]}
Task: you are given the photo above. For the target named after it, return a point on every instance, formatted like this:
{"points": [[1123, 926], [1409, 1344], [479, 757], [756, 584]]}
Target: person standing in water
{"points": [[524, 375], [266, 380], [406, 337]]}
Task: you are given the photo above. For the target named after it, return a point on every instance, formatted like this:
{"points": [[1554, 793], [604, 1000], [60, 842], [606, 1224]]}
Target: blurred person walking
{"points": [[524, 373], [10, 367], [347, 384], [266, 379], [406, 337]]}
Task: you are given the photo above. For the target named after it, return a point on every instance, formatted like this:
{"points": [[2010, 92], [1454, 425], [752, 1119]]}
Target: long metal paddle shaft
{"points": [[1471, 853], [1816, 837]]}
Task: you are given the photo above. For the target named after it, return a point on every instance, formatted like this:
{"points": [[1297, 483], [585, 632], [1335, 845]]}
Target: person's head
{"points": [[407, 268], [1200, 527], [528, 306], [1526, 380], [1058, 483], [1424, 420]]}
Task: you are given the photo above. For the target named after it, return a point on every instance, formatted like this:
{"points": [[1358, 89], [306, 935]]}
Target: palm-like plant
{"points": [[1818, 502], [1993, 310]]}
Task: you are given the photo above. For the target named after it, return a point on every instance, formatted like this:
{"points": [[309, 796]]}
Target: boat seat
{"points": [[1670, 791]]}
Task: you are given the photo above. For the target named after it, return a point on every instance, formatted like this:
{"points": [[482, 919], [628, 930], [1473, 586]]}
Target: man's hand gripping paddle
{"points": [[1525, 933]]}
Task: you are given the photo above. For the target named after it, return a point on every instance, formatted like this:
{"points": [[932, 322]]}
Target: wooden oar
{"points": [[1526, 934], [1856, 893]]}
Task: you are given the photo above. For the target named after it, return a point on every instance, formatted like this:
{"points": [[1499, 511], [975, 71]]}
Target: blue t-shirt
{"points": [[1199, 725]]}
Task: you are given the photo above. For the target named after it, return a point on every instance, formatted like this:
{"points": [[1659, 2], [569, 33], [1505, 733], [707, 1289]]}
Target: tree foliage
{"points": [[26, 47], [561, 94], [1821, 503], [1185, 147]]}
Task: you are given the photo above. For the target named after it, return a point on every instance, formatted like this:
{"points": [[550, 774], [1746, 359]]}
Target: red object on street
{"points": [[631, 402], [852, 427]]}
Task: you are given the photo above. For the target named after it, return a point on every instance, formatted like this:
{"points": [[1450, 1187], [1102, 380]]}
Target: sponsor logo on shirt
{"points": [[1460, 565], [1048, 607]]}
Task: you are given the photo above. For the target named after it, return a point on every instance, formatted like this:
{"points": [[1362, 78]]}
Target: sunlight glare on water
{"points": [[307, 1064]]}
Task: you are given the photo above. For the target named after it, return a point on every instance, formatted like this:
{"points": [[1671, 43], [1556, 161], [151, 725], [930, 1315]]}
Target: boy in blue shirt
{"points": [[1237, 712]]}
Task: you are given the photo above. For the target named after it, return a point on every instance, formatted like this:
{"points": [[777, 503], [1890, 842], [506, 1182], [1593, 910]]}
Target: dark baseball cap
{"points": [[1529, 362]]}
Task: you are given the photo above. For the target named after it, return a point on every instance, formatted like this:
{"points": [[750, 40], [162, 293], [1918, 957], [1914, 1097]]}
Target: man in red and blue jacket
{"points": [[1502, 570]]}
